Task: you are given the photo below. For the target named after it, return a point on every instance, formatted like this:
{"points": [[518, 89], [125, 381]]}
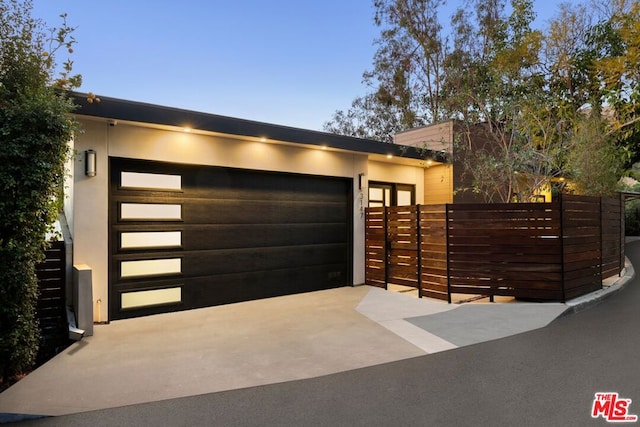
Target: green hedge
{"points": [[35, 128]]}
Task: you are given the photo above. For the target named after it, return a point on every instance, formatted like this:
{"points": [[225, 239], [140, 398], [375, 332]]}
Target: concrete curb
{"points": [[609, 287]]}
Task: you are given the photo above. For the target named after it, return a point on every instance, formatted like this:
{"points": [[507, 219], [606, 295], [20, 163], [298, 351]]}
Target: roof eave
{"points": [[125, 110]]}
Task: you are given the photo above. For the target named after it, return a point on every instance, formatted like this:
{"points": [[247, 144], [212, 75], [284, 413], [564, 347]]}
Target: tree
{"points": [[505, 93], [520, 95], [35, 127], [614, 45], [569, 70], [593, 163], [553, 99], [407, 74], [367, 118], [408, 64]]}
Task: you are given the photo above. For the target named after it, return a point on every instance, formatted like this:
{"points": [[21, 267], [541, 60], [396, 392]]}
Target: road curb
{"points": [[610, 286]]}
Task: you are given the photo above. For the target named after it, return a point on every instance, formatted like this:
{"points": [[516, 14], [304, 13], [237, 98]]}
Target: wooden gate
{"points": [[392, 247], [406, 245], [403, 243]]}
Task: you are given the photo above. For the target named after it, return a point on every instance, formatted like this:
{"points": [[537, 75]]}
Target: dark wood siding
{"points": [[244, 235]]}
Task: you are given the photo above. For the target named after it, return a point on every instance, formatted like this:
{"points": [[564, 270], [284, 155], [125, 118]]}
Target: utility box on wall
{"points": [[83, 298]]}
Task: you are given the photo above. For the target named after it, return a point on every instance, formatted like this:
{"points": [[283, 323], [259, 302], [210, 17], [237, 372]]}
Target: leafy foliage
{"points": [[592, 163], [632, 218], [35, 127], [544, 97], [368, 119]]}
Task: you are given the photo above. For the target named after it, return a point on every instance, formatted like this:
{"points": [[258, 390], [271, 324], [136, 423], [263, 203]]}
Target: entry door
{"points": [[184, 237]]}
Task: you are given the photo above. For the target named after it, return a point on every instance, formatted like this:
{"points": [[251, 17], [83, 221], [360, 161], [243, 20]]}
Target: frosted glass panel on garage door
{"points": [[151, 181], [150, 267], [150, 211], [150, 239], [151, 297]]}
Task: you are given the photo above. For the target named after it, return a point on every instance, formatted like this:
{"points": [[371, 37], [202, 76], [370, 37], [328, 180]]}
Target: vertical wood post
{"points": [[386, 248], [622, 219], [562, 244], [446, 233], [601, 237], [419, 257]]}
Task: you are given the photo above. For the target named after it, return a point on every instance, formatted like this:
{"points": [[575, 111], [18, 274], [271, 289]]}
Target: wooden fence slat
{"points": [[51, 304], [498, 249]]}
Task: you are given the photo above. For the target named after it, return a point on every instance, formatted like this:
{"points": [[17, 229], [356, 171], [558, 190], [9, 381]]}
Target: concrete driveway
{"points": [[262, 342]]}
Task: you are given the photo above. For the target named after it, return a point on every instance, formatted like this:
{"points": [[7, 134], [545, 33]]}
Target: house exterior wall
{"points": [[89, 222], [398, 174], [436, 137], [88, 202], [438, 184]]}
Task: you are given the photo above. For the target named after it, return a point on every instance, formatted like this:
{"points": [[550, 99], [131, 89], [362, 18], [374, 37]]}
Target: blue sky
{"points": [[287, 62]]}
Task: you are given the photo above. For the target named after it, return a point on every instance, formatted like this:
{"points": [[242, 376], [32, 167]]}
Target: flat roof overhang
{"points": [[162, 116]]}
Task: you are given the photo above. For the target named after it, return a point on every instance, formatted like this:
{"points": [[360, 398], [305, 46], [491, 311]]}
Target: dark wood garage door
{"points": [[184, 236]]}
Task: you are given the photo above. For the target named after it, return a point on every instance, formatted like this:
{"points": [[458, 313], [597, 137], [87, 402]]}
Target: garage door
{"points": [[184, 236]]}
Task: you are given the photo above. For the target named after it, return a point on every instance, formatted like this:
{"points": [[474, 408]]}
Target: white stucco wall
{"points": [[90, 226], [90, 194], [182, 147]]}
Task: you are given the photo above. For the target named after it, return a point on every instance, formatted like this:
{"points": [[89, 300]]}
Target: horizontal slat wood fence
{"points": [[543, 251], [50, 309]]}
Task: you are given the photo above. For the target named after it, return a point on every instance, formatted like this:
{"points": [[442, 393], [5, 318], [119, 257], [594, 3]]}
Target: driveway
{"points": [[261, 342]]}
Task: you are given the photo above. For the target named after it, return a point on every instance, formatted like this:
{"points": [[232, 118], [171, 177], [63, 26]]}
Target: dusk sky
{"points": [[287, 62]]}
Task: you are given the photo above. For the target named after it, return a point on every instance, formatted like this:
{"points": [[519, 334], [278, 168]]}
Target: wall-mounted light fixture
{"points": [[360, 181], [90, 163]]}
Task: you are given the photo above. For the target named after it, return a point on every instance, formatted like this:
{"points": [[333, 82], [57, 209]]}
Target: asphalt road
{"points": [[546, 377]]}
